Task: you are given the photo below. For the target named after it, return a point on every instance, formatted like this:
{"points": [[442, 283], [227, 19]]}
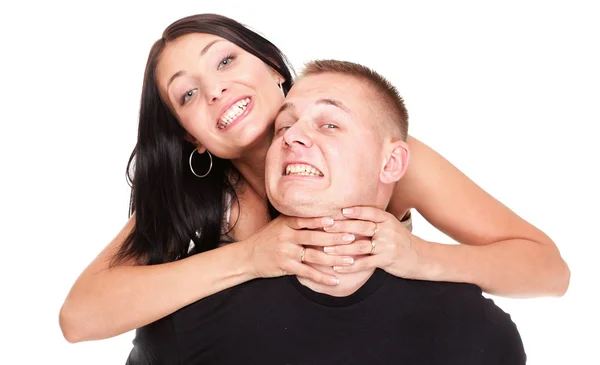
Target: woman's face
{"points": [[224, 97]]}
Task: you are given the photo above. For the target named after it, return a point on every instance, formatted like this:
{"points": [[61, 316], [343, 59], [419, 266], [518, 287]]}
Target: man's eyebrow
{"points": [[335, 103], [325, 101], [286, 106], [202, 53]]}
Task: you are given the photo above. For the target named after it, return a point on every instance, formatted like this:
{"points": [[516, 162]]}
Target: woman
{"points": [[205, 125]]}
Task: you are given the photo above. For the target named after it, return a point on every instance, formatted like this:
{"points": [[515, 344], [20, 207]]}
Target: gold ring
{"points": [[376, 230], [372, 247], [302, 254]]}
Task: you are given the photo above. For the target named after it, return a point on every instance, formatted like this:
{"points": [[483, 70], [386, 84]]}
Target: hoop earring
{"points": [[281, 88], [209, 167]]}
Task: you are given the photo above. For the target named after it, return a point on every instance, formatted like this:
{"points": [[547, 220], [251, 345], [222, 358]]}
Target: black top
{"points": [[389, 320]]}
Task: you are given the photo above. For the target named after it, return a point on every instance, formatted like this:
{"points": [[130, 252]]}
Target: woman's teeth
{"points": [[232, 113]]}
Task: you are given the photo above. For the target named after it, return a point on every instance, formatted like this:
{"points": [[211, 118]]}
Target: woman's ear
{"points": [[276, 76], [395, 163]]}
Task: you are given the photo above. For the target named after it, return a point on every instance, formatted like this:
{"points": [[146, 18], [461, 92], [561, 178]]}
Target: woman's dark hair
{"points": [[171, 205]]}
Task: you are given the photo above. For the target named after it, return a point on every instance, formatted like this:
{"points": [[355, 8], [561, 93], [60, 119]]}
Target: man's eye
{"points": [[329, 126], [283, 129]]}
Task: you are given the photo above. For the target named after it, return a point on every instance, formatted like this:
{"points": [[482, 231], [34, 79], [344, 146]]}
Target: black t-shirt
{"points": [[389, 320]]}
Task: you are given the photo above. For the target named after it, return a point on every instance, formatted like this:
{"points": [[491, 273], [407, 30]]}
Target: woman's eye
{"points": [[225, 61], [329, 126], [187, 96], [283, 129]]}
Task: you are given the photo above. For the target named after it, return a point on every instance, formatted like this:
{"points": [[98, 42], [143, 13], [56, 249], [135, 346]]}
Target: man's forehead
{"points": [[317, 91], [313, 85], [346, 88], [309, 98]]}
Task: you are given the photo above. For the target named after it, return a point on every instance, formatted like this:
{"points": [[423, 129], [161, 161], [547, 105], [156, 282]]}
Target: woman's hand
{"points": [[278, 249], [382, 242]]}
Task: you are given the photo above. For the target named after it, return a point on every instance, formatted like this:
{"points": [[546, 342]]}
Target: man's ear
{"points": [[188, 137], [395, 162]]}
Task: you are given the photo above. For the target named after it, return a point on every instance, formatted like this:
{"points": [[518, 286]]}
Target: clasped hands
{"points": [[366, 238]]}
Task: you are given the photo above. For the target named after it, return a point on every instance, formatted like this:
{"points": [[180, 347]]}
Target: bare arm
{"points": [[105, 302], [501, 252]]}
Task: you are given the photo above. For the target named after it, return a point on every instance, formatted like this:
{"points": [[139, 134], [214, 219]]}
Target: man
{"points": [[339, 141]]}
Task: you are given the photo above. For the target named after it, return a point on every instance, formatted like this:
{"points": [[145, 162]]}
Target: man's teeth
{"points": [[232, 113], [301, 169]]}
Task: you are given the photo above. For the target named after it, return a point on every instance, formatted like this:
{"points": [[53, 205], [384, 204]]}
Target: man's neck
{"points": [[349, 283]]}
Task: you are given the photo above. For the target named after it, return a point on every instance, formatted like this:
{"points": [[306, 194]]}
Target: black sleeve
{"points": [[503, 345]]}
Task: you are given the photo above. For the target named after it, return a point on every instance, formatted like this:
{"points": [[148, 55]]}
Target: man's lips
{"points": [[298, 168]]}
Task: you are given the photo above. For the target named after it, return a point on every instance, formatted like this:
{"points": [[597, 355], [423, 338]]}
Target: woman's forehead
{"points": [[180, 51]]}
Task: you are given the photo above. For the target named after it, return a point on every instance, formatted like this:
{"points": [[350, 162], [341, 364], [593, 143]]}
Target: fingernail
{"points": [[327, 221], [347, 210], [335, 281], [336, 268], [329, 249], [348, 260], [348, 237]]}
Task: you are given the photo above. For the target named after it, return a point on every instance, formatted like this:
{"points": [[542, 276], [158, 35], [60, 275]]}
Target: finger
{"points": [[309, 223], [366, 214], [357, 227], [360, 247], [360, 264], [313, 274], [320, 238], [321, 258]]}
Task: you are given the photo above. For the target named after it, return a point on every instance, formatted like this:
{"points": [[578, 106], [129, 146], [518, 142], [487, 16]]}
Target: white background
{"points": [[509, 93]]}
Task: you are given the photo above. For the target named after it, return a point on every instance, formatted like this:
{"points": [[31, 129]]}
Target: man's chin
{"points": [[303, 210], [298, 212]]}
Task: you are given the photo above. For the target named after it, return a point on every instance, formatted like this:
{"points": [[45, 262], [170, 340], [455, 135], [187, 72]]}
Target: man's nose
{"points": [[297, 136]]}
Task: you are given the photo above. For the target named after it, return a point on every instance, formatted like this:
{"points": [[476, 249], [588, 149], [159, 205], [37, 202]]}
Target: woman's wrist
{"points": [[242, 253], [428, 267]]}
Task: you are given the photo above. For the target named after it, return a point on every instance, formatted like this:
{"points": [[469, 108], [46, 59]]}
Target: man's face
{"points": [[325, 155]]}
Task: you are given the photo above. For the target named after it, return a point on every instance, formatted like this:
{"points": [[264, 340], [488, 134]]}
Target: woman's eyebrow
{"points": [[202, 53]]}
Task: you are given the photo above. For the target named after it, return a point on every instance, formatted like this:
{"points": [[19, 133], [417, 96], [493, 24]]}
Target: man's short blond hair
{"points": [[395, 115]]}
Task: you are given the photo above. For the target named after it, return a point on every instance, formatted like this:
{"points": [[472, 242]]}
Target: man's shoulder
{"points": [[462, 308], [438, 289]]}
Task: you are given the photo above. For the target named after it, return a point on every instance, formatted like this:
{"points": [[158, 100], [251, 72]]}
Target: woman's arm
{"points": [[500, 251], [108, 301]]}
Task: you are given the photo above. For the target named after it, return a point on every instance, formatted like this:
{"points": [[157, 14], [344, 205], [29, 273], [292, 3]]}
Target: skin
{"points": [[323, 118], [106, 302], [312, 129], [207, 85]]}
